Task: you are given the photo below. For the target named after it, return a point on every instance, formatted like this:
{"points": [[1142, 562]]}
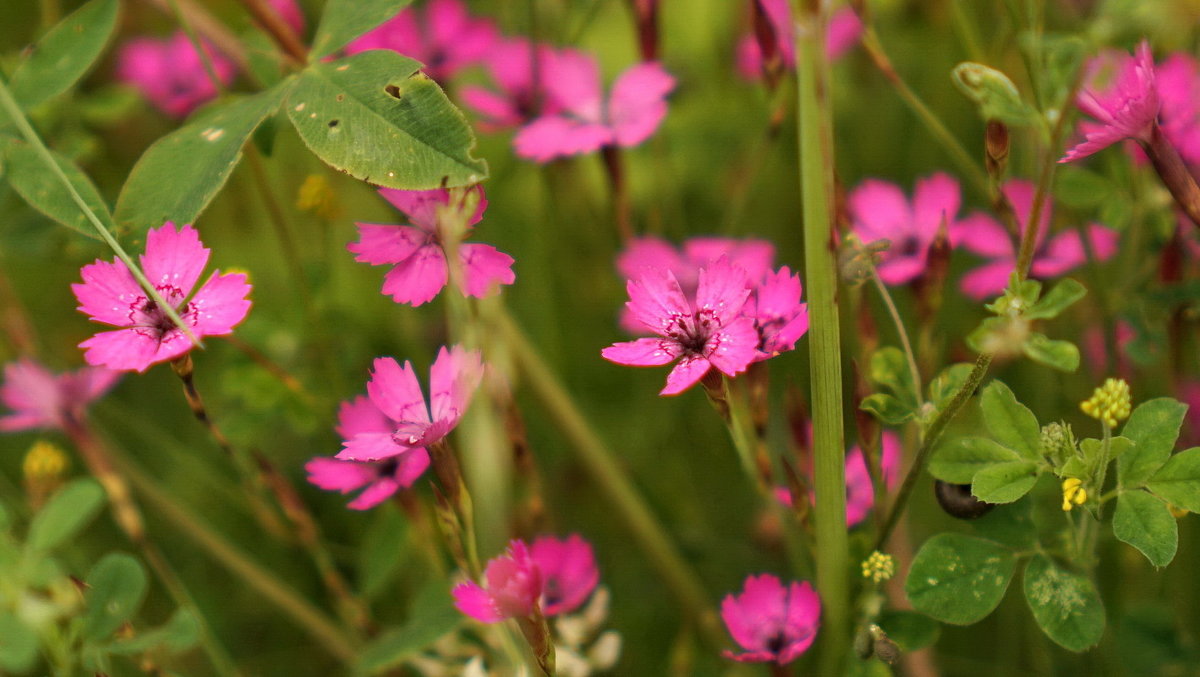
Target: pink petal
{"points": [[124, 349], [174, 258], [485, 269], [411, 465], [753, 256], [983, 235], [572, 81], [880, 211], [646, 352], [219, 305], [420, 206], [1065, 251], [360, 415], [638, 104], [569, 572], [759, 607], [453, 380], [896, 270], [334, 475], [1020, 194], [107, 292], [555, 136], [842, 33], [382, 244], [654, 298], [368, 447], [935, 199], [377, 492], [648, 252], [418, 278], [988, 279], [394, 389], [498, 111], [723, 288], [474, 601], [691, 368], [734, 347]]}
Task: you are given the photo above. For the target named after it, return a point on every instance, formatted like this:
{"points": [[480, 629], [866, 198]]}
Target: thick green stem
{"points": [[9, 105], [600, 463], [820, 258]]}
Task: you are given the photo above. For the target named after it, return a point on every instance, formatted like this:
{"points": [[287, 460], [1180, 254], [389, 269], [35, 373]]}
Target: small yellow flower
{"points": [[879, 567], [1073, 493], [1110, 402], [44, 462]]}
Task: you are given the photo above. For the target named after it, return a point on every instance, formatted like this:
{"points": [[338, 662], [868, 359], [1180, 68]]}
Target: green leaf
{"points": [[180, 633], [382, 548], [1178, 481], [117, 586], [1153, 426], [1146, 523], [886, 408], [1004, 482], [1011, 525], [42, 189], [433, 615], [944, 385], [1060, 355], [1080, 188], [64, 54], [65, 514], [889, 369], [910, 630], [959, 579], [1057, 300], [1010, 422], [1064, 604], [18, 644], [959, 460], [180, 174], [373, 116], [345, 20], [996, 95]]}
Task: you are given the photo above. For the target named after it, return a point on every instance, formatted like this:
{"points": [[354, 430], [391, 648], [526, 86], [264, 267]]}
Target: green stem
{"points": [[9, 105], [932, 436], [910, 356], [599, 461], [820, 257], [205, 59], [265, 582]]}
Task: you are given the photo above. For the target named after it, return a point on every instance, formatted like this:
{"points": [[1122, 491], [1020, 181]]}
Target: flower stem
{"points": [[599, 461], [820, 256], [910, 356], [278, 29], [208, 26], [9, 106], [615, 168], [1174, 173]]}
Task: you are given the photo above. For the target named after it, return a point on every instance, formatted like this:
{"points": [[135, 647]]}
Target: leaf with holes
{"points": [[959, 579], [1064, 604], [375, 117], [178, 176]]}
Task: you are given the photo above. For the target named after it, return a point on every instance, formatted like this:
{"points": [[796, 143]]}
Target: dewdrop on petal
{"points": [[1110, 403], [879, 567], [1073, 493]]}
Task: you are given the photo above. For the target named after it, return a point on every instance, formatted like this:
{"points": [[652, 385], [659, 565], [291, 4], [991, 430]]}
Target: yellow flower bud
{"points": [[879, 567], [1073, 493], [1110, 403]]}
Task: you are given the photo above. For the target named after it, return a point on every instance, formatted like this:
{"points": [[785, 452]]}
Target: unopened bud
{"points": [[995, 94], [996, 146]]}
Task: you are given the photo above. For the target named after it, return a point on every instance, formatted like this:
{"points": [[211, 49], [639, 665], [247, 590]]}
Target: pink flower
{"points": [[170, 72], [519, 70], [173, 262], [403, 422], [983, 235], [712, 332], [880, 211], [1189, 394], [39, 398], [771, 622], [842, 33], [568, 572], [584, 120], [381, 478], [444, 37], [514, 584], [860, 492], [415, 252], [1095, 348], [1126, 110], [1177, 81], [290, 12], [779, 316]]}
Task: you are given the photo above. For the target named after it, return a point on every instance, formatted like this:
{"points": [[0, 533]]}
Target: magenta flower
{"points": [[779, 316], [40, 398], [519, 70], [377, 479], [1177, 81], [983, 235], [170, 72], [415, 252], [860, 492], [880, 211], [712, 332], [584, 120], [173, 262], [444, 37], [404, 422], [1095, 349], [843, 32], [514, 584], [290, 12], [568, 572], [772, 623], [1189, 394], [1126, 110]]}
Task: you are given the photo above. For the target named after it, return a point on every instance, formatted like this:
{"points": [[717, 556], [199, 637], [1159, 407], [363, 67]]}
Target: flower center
{"points": [[145, 314], [693, 332]]}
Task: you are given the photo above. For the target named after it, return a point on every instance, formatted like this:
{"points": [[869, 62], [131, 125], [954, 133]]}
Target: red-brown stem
{"points": [[1174, 173], [206, 25], [620, 191], [646, 13], [126, 514], [279, 30]]}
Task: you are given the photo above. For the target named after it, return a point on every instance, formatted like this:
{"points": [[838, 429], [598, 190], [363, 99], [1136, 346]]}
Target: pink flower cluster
{"points": [[841, 34], [40, 398], [715, 304], [415, 252], [386, 434], [860, 492], [773, 623], [553, 575]]}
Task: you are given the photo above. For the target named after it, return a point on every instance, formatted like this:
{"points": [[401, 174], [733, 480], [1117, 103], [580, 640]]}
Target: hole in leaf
{"points": [[333, 123], [393, 91]]}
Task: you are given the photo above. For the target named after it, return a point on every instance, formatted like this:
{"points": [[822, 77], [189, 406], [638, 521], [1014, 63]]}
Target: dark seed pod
{"points": [[956, 500]]}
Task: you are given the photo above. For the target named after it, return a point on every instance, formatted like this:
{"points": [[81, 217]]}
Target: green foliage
{"points": [[375, 117], [117, 585], [180, 633], [1011, 525], [1178, 481], [64, 54], [1064, 604], [1080, 188], [18, 644], [1004, 482], [1060, 355], [1062, 296], [995, 94], [1153, 427], [959, 579], [957, 461], [177, 177], [1145, 522], [383, 547], [910, 630], [432, 615], [1010, 332], [34, 181], [1011, 423], [345, 20], [66, 514]]}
